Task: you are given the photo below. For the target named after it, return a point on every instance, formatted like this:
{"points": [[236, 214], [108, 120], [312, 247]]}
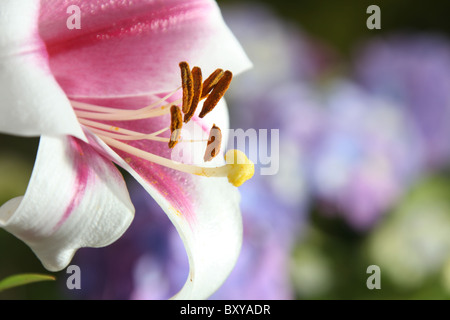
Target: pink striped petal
{"points": [[129, 48], [75, 198], [32, 102], [205, 211]]}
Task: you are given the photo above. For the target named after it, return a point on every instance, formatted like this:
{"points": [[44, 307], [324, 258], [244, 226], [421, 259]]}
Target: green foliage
{"points": [[23, 279]]}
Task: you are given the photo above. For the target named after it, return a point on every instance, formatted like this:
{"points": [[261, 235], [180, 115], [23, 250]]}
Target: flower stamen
{"points": [[187, 85], [95, 108], [176, 124], [217, 93], [124, 132], [238, 168], [122, 116], [128, 135], [194, 89], [129, 138], [214, 143], [198, 87], [211, 82]]}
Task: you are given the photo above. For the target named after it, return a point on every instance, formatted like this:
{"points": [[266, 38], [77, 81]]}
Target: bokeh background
{"points": [[364, 124]]}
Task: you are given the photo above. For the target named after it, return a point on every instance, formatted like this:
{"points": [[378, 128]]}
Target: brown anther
{"points": [[187, 84], [175, 125], [211, 82], [217, 93], [198, 85], [214, 143]]}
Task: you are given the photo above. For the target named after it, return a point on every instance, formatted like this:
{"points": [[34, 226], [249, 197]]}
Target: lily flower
{"points": [[113, 91]]}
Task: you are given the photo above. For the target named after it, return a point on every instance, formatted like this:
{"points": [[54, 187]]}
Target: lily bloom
{"points": [[113, 91]]}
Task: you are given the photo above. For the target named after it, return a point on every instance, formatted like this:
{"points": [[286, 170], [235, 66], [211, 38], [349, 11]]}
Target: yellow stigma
{"points": [[240, 168]]}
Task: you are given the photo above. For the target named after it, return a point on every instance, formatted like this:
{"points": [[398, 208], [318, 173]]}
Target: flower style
{"points": [[110, 92]]}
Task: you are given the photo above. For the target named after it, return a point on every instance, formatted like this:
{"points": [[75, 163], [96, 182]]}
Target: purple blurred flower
{"points": [[326, 151], [279, 50], [270, 228], [344, 147], [281, 53], [415, 71], [367, 155], [349, 149]]}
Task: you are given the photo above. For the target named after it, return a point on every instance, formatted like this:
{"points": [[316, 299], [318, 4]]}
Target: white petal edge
{"points": [[221, 49], [32, 101], [214, 244], [56, 217]]}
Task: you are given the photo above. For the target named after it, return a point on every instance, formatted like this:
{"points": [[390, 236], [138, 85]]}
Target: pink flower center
{"points": [[238, 168]]}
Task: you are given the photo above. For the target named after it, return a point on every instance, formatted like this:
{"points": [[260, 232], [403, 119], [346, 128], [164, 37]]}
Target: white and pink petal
{"points": [[205, 211], [32, 103], [126, 48], [76, 198]]}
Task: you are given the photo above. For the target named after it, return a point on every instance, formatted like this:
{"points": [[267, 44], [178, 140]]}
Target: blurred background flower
{"points": [[413, 70], [413, 246], [363, 117], [367, 154]]}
